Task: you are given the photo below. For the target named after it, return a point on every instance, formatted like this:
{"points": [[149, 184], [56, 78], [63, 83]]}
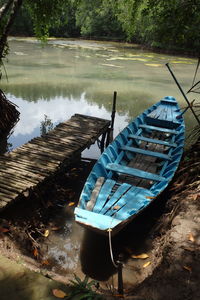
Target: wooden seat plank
{"points": [[146, 152], [165, 130], [134, 172], [168, 101], [154, 141]]}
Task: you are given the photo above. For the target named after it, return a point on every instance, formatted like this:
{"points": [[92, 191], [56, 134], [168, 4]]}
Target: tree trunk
{"points": [[4, 9], [16, 4]]}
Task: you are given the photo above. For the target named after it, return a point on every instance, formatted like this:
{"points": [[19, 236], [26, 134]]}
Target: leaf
{"points": [[116, 207], [189, 249], [59, 293], [26, 193], [35, 252], [4, 229], [141, 256], [147, 264], [129, 251], [71, 203], [55, 228], [150, 197], [45, 262], [154, 65], [191, 237], [46, 233], [49, 204], [187, 268], [195, 197]]}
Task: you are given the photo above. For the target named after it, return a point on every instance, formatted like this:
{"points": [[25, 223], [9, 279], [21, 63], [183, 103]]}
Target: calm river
{"points": [[72, 76]]}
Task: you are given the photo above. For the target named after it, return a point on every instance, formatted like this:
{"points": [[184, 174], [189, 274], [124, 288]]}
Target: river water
{"points": [[66, 77], [72, 76]]}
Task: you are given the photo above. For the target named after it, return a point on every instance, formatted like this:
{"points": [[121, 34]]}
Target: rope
{"points": [[110, 245]]}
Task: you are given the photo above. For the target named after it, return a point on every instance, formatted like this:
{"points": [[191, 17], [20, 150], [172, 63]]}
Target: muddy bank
{"points": [[176, 246], [167, 233]]}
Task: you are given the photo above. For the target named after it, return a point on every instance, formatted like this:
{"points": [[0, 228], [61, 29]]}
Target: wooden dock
{"points": [[27, 166]]}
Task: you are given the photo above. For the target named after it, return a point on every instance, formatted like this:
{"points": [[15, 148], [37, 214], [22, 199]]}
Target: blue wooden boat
{"points": [[134, 169]]}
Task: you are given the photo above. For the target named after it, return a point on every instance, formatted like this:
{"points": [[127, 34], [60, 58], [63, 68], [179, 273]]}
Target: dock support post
{"points": [[110, 130], [120, 278], [102, 143]]}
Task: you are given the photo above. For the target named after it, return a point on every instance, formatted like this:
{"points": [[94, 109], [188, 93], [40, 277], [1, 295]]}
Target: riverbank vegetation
{"points": [[170, 25]]}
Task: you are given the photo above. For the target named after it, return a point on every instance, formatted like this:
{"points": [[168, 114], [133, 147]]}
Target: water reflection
{"points": [[72, 76]]}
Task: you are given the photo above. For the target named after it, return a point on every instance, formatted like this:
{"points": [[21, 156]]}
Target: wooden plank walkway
{"points": [[27, 166]]}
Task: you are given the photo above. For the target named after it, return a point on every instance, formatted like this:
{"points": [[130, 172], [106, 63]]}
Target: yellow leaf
{"points": [[71, 203], [45, 262], [149, 197], [147, 264], [3, 229], [154, 65], [188, 268], [189, 249], [129, 251], [191, 237], [55, 228], [35, 252], [195, 196], [116, 207], [46, 233], [142, 256], [59, 293]]}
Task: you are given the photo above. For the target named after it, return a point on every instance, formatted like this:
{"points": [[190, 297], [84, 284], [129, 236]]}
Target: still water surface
{"points": [[72, 76]]}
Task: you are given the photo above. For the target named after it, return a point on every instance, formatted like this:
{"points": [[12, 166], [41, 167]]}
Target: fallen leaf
{"points": [[73, 169], [195, 196], [191, 237], [147, 264], [26, 193], [188, 268], [189, 249], [71, 203], [49, 204], [59, 293], [150, 197], [56, 228], [46, 233], [35, 252], [116, 207], [45, 262], [141, 256], [4, 229], [129, 251]]}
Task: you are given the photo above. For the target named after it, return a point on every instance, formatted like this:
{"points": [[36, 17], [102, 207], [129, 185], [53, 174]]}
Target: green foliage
{"points": [[23, 24], [128, 12], [46, 126], [158, 23], [83, 289], [97, 18], [45, 14], [173, 24]]}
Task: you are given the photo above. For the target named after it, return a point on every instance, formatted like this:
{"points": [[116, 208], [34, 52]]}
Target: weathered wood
{"points": [[27, 166]]}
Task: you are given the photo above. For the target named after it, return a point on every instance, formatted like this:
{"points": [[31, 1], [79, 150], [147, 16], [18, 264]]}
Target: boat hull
{"points": [[134, 169]]}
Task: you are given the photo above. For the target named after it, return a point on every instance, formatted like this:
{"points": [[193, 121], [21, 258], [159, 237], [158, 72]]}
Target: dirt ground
{"points": [[172, 234]]}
